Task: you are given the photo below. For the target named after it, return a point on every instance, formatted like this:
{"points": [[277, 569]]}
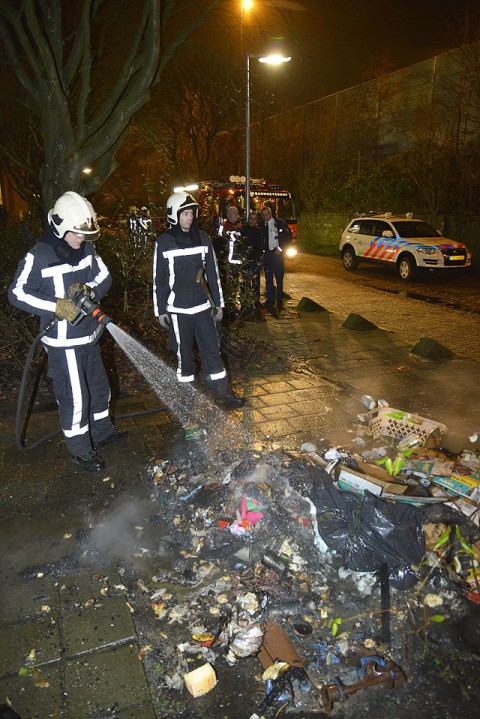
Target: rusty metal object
{"points": [[276, 645], [378, 672]]}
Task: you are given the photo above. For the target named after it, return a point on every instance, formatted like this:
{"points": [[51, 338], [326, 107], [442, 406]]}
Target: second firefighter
{"points": [[184, 265]]}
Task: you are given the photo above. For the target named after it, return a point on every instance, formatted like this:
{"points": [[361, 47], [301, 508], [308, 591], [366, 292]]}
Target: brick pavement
{"points": [[46, 501]]}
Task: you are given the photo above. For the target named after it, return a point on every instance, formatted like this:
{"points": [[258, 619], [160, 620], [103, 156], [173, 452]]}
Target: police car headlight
{"points": [[428, 250], [291, 252]]}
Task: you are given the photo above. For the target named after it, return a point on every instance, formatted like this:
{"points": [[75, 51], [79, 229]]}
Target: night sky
{"points": [[338, 43]]}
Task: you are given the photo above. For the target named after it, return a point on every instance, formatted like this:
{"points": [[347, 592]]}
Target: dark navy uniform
{"points": [[74, 363], [179, 257]]}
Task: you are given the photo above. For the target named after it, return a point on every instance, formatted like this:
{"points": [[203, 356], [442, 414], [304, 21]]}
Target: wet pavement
{"points": [[70, 642]]}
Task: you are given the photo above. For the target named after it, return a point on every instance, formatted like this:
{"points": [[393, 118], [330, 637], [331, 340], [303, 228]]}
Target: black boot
{"points": [[223, 395], [90, 461], [114, 438], [272, 310]]}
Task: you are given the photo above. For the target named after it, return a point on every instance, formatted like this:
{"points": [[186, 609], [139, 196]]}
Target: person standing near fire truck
{"points": [[188, 297], [62, 263], [230, 234], [276, 237], [254, 250]]}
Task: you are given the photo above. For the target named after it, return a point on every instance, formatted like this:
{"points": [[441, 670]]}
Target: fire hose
{"points": [[86, 306]]}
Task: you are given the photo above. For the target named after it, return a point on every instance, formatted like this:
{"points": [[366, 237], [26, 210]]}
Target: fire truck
{"points": [[215, 196]]}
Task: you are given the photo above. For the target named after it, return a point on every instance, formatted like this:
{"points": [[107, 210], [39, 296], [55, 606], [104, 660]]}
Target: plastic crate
{"points": [[391, 422]]}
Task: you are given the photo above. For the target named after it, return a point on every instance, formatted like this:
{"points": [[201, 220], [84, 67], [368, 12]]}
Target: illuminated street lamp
{"points": [[274, 59]]}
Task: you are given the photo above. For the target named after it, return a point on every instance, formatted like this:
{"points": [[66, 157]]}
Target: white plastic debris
{"points": [[368, 401]]}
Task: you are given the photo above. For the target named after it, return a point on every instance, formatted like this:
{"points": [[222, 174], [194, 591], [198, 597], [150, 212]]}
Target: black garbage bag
{"points": [[369, 532]]}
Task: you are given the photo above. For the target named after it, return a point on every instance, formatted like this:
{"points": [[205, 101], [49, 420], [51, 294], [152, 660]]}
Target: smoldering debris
{"points": [[249, 534]]}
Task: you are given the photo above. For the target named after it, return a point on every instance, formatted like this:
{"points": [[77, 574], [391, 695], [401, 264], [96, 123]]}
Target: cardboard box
{"points": [[375, 471], [461, 485], [355, 481]]}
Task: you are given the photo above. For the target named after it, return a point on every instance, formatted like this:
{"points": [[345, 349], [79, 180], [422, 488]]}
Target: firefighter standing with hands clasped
{"points": [[188, 297], [62, 264]]}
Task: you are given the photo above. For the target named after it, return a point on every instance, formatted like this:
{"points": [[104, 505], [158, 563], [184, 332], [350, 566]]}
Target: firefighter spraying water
{"points": [[61, 280]]}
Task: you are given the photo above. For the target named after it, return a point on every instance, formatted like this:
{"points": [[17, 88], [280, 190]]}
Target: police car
{"points": [[406, 242]]}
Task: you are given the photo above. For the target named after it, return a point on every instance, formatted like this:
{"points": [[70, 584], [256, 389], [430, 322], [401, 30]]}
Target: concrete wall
{"points": [[319, 233]]}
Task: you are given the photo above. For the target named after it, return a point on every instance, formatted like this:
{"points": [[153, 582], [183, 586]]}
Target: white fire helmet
{"points": [[73, 213], [177, 203]]}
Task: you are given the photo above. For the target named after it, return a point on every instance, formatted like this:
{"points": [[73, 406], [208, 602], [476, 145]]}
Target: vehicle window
{"points": [[380, 227], [366, 227], [354, 227], [286, 209], [413, 229]]}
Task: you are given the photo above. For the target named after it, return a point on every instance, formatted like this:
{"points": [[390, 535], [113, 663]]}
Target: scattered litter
{"points": [[301, 536]]}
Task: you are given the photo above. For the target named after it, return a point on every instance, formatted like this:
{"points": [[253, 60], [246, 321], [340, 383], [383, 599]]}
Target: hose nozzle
{"points": [[88, 307]]}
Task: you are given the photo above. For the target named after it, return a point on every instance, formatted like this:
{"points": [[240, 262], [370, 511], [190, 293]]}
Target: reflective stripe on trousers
{"points": [[82, 392], [185, 330]]}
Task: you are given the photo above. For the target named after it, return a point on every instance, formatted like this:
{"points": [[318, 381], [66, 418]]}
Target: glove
{"points": [[217, 314], [79, 287], [66, 310], [164, 321]]}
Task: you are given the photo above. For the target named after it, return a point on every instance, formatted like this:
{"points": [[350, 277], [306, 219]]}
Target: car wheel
{"points": [[406, 268], [349, 259]]}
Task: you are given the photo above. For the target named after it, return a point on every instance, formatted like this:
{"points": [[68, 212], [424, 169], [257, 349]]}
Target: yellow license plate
{"points": [[456, 257]]}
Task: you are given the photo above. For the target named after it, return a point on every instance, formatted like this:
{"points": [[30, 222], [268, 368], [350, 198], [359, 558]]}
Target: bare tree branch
{"points": [[51, 45]]}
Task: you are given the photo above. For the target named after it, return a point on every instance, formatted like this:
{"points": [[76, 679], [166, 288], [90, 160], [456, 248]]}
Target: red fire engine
{"points": [[215, 196]]}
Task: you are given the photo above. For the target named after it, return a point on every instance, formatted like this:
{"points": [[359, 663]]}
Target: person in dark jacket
{"points": [[276, 237], [61, 263], [188, 298], [232, 248], [254, 250]]}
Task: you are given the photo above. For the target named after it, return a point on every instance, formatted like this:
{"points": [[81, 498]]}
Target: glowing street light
{"points": [[273, 59]]}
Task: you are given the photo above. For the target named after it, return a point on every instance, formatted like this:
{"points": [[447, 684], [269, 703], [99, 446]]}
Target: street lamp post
{"points": [[247, 143], [275, 59]]}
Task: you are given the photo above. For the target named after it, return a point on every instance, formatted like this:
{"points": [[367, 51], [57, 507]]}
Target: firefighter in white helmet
{"points": [[188, 297], [62, 262]]}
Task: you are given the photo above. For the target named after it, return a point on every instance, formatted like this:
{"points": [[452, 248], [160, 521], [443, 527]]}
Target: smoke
{"points": [[119, 533]]}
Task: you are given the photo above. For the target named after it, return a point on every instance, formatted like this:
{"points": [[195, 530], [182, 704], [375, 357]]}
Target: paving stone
{"points": [[82, 587], [18, 640], [105, 684], [85, 629], [258, 402], [25, 600], [301, 383], [278, 428], [142, 711], [31, 701], [274, 387], [280, 411], [282, 398], [157, 419]]}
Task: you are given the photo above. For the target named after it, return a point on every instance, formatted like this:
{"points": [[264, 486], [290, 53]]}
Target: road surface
{"points": [[443, 308]]}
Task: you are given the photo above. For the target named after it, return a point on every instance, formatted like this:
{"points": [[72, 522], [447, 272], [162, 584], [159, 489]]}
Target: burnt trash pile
{"points": [[323, 580]]}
